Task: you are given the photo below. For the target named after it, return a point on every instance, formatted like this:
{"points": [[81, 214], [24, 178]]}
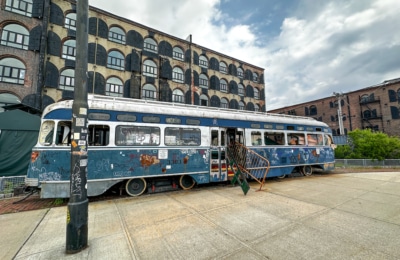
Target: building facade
{"points": [[125, 59], [376, 107]]}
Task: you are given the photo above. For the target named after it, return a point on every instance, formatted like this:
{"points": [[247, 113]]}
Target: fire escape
{"points": [[369, 112]]}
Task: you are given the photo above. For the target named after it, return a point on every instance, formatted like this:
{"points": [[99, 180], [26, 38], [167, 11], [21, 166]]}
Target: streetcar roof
{"points": [[99, 102]]}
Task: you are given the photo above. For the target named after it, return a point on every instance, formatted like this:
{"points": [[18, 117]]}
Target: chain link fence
{"points": [[11, 186], [389, 163]]}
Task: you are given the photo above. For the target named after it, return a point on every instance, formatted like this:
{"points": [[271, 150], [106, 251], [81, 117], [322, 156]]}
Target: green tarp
{"points": [[18, 134]]}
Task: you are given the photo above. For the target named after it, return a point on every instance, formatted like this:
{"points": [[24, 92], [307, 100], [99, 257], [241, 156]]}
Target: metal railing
{"points": [[249, 162], [388, 163]]}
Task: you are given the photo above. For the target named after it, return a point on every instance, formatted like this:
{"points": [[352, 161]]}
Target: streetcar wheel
{"points": [[307, 170], [186, 182], [135, 187]]}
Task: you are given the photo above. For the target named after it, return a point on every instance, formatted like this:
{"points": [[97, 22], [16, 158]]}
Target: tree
{"points": [[366, 144]]}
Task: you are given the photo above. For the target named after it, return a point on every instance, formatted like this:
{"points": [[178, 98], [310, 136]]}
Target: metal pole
{"points": [[340, 115], [191, 72], [77, 211]]}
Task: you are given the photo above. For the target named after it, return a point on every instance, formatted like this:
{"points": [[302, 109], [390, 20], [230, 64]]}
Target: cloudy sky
{"points": [[309, 49]]}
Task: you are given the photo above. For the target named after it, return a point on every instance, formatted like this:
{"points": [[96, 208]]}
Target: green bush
{"points": [[366, 144]]}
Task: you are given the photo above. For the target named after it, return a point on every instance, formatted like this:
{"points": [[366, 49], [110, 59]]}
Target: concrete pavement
{"points": [[326, 216]]}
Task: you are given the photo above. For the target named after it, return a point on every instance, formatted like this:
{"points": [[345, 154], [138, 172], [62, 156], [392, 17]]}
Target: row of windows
{"points": [[125, 135], [288, 138], [130, 135], [116, 61], [13, 71], [23, 7]]}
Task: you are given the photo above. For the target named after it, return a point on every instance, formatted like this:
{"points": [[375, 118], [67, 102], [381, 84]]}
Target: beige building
{"points": [[125, 59], [376, 107]]}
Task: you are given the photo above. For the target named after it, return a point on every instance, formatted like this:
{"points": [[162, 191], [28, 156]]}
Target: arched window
{"points": [[364, 98], [240, 89], [240, 73], [149, 92], [69, 50], [116, 60], [116, 34], [223, 86], [224, 103], [177, 96], [114, 87], [256, 93], [241, 105], [313, 110], [223, 68], [70, 21], [203, 100], [177, 75], [12, 71], [15, 35], [367, 114], [255, 77], [67, 80], [150, 45], [257, 108], [177, 53], [203, 61], [203, 81], [23, 7], [149, 68]]}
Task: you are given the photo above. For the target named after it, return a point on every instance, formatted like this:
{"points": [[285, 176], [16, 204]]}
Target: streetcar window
{"points": [[214, 137], [137, 135], [98, 135], [126, 117], [274, 138], [296, 139], [191, 121], [256, 138], [46, 133], [151, 119], [328, 140], [63, 136], [312, 139], [239, 137], [173, 120], [182, 136]]}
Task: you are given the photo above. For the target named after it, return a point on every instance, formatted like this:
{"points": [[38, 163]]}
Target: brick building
{"points": [[376, 107], [125, 58]]}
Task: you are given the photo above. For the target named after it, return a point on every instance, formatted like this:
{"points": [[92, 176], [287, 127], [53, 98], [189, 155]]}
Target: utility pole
{"points": [[191, 72], [339, 97], [77, 210]]}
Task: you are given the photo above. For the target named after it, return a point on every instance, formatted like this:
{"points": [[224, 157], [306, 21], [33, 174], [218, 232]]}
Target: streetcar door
{"points": [[235, 135], [218, 165]]}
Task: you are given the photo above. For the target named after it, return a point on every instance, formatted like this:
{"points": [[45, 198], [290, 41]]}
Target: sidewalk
{"points": [[330, 216]]}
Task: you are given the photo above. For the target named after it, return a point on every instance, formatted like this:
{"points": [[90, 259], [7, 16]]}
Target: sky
{"points": [[309, 49]]}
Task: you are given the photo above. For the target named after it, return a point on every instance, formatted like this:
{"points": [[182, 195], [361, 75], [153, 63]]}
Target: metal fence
{"points": [[11, 186], [389, 163]]}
